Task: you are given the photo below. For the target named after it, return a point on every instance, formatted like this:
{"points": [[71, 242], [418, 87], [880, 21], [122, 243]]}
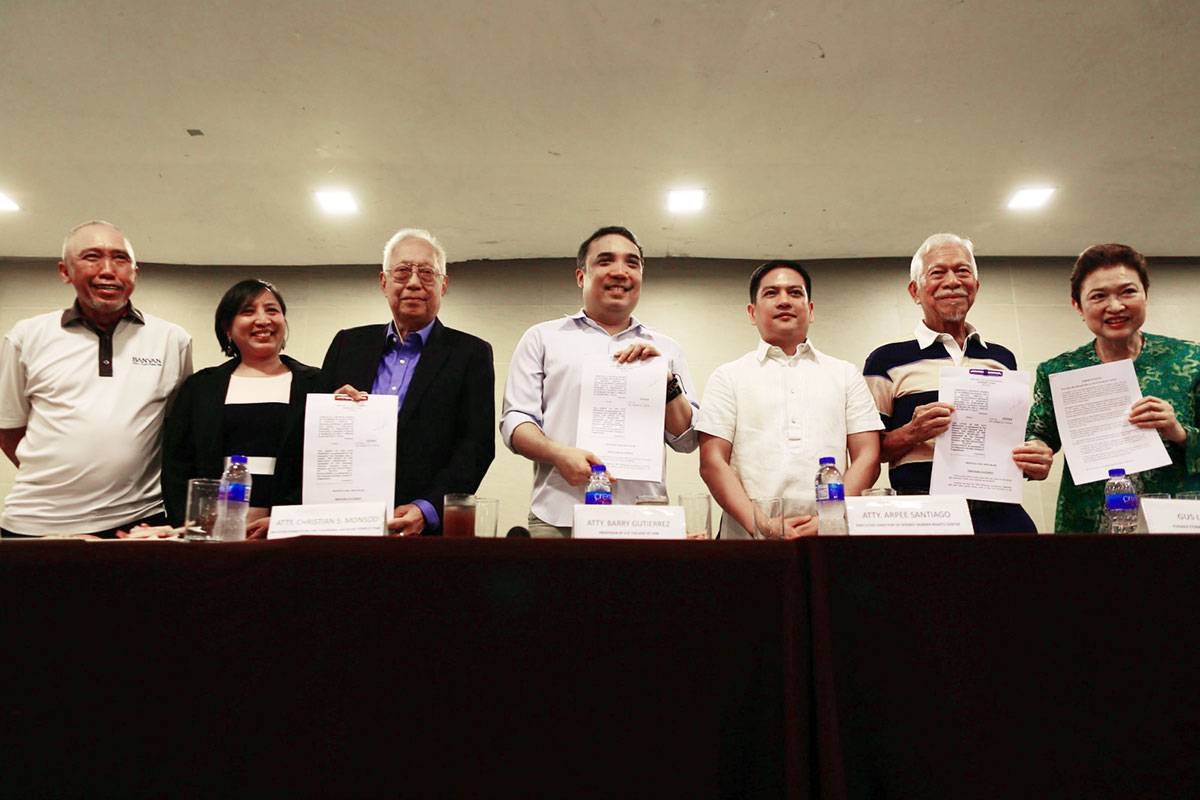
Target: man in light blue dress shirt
{"points": [[541, 397]]}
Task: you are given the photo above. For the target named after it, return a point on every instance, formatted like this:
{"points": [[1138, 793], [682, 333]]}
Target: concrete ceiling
{"points": [[819, 129]]}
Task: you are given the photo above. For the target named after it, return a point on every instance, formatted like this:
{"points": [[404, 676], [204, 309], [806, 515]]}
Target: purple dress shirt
{"points": [[394, 375]]}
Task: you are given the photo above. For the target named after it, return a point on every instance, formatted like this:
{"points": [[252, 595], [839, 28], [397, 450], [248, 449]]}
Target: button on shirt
{"points": [[396, 369], [782, 413]]}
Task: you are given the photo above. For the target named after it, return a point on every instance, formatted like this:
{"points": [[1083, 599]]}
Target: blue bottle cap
{"points": [[828, 460], [237, 459], [598, 468], [1116, 472]]}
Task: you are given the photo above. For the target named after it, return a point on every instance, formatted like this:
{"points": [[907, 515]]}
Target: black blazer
{"points": [[446, 432], [192, 434]]}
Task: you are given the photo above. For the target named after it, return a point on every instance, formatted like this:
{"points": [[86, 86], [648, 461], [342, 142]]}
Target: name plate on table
{"points": [[909, 515], [328, 519], [629, 522], [1171, 516]]}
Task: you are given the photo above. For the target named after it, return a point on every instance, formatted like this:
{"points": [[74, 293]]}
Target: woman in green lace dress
{"points": [[1109, 286]]}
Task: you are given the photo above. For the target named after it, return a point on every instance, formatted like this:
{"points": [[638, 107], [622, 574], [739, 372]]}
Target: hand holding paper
{"points": [[1034, 459], [638, 351], [1157, 414], [930, 421]]}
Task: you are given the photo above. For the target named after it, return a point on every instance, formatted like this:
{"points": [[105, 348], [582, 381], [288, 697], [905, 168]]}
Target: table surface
{"points": [[838, 667]]}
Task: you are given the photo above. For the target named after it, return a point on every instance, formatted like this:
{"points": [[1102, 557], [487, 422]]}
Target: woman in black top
{"points": [[245, 406]]}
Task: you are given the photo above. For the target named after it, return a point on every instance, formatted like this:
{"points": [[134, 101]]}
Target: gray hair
{"points": [[916, 272], [67, 239], [399, 236]]}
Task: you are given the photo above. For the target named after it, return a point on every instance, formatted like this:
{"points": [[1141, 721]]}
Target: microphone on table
{"points": [[517, 532]]}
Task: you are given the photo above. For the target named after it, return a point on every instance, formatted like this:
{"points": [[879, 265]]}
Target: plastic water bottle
{"points": [[1120, 503], [599, 489], [233, 501], [831, 499]]}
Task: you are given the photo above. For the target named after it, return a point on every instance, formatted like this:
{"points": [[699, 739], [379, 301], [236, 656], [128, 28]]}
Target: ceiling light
{"points": [[1030, 197], [336, 201], [685, 201], [7, 203]]}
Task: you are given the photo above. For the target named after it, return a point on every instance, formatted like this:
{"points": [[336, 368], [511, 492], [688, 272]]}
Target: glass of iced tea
{"points": [[458, 515]]}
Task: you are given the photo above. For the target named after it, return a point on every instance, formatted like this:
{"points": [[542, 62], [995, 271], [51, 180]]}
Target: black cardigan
{"points": [[192, 435]]}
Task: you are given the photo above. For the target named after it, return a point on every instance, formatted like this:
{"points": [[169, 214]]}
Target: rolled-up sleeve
{"points": [[523, 397]]}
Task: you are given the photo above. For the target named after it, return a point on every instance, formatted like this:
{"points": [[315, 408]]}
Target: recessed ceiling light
{"points": [[336, 201], [685, 201], [1030, 197], [8, 204]]}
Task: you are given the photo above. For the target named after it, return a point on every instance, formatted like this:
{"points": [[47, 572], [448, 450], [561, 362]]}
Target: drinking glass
{"points": [[768, 517], [697, 515], [1187, 495], [879, 491], [487, 515], [458, 515], [201, 516]]}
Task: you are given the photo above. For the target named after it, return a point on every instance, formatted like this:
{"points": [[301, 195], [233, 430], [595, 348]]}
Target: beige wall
{"points": [[860, 304]]}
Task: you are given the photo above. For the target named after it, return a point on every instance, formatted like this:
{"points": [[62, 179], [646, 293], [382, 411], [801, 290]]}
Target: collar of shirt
{"points": [[74, 316], [804, 350], [926, 336], [634, 325], [415, 339]]}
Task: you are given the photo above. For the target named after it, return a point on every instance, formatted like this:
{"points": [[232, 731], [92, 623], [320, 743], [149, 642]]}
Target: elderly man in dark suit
{"points": [[444, 380]]}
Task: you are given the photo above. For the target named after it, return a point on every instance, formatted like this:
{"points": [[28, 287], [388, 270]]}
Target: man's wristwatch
{"points": [[674, 387]]}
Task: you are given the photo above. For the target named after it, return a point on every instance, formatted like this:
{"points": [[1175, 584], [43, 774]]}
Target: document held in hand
{"points": [[1091, 406], [621, 413], [973, 458], [350, 449]]}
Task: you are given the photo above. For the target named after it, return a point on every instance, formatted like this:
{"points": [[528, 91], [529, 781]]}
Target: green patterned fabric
{"points": [[1166, 368]]}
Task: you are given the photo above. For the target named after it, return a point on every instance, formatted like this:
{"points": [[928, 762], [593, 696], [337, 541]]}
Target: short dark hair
{"points": [[607, 230], [1099, 256], [762, 269], [232, 302]]}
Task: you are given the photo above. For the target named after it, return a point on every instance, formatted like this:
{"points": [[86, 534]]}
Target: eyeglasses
{"points": [[403, 272]]}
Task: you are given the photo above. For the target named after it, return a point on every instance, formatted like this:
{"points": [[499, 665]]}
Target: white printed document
{"points": [[621, 413], [1092, 406], [350, 450], [973, 458]]}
